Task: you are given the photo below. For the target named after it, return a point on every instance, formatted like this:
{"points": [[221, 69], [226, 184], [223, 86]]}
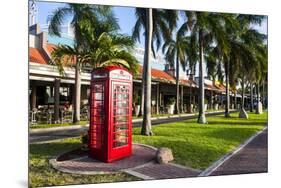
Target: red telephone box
{"points": [[110, 132]]}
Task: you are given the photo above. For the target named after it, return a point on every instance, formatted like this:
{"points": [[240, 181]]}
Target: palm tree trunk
{"points": [[235, 99], [242, 87], [77, 98], [252, 98], [242, 113], [146, 124], [263, 95], [190, 97], [226, 113], [177, 85], [142, 89], [201, 116], [258, 92]]}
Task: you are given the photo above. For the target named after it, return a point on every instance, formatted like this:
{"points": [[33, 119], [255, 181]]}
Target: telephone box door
{"points": [[97, 141], [121, 118]]}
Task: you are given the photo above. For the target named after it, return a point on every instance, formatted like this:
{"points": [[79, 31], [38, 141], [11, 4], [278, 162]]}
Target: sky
{"points": [[126, 18]]}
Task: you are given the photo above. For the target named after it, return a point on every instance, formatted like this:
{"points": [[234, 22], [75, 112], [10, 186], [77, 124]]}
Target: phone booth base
{"points": [[110, 132]]}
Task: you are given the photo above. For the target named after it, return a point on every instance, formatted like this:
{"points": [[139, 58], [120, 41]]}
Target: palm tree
{"points": [[157, 25], [235, 27], [175, 53], [79, 13], [207, 28], [105, 50], [256, 59]]}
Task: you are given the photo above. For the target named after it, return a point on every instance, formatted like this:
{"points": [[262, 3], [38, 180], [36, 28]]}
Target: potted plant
{"points": [[136, 102], [171, 105]]}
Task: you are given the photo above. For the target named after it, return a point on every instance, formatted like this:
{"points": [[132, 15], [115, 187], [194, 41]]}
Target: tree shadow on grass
{"points": [[234, 135], [253, 123]]}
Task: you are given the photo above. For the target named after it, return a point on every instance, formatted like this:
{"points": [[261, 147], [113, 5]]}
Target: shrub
{"points": [[206, 101], [84, 138], [171, 100], [136, 99]]}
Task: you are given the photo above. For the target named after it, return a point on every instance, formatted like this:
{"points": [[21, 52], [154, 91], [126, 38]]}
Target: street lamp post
{"points": [[190, 75]]}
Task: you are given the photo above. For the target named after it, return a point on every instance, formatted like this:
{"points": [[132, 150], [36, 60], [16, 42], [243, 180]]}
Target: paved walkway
{"points": [[253, 158], [140, 164]]}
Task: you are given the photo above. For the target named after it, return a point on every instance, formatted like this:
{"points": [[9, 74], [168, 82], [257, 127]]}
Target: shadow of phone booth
{"points": [[110, 131]]}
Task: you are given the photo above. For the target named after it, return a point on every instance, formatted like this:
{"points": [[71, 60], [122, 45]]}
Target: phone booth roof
{"points": [[113, 72]]}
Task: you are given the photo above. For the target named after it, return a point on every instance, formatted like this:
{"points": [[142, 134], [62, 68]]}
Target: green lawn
{"points": [[197, 145], [193, 145], [42, 174]]}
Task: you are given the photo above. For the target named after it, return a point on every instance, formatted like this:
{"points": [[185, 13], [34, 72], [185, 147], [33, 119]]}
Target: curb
{"points": [[54, 163], [45, 130], [227, 156]]}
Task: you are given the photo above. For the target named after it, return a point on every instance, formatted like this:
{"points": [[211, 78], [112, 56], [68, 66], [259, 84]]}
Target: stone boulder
{"points": [[164, 155], [243, 114], [259, 108]]}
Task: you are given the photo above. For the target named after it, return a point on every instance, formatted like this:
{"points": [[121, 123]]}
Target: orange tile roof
{"points": [[68, 61], [221, 87], [212, 87], [158, 75], [188, 82], [36, 56], [50, 47]]}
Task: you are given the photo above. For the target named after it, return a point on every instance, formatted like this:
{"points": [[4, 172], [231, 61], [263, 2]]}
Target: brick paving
{"points": [[85, 164], [166, 171], [141, 164], [251, 159]]}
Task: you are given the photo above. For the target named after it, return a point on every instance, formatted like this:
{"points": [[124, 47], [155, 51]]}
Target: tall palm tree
{"points": [[79, 13], [244, 51], [157, 25], [207, 28], [236, 27], [175, 51]]}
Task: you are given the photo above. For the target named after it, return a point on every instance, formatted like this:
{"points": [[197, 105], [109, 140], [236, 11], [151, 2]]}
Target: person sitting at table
{"points": [[66, 105]]}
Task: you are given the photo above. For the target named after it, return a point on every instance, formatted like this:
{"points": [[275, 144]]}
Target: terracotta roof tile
{"points": [[68, 61], [35, 55], [159, 75], [50, 47], [187, 82]]}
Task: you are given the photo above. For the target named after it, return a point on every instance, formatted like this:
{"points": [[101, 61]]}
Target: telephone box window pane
{"points": [[98, 104], [98, 96], [97, 120], [98, 111], [120, 139], [120, 119], [120, 104], [121, 111], [120, 127], [98, 88]]}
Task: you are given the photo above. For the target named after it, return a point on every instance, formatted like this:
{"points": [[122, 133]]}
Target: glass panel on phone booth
{"points": [[97, 119], [120, 114]]}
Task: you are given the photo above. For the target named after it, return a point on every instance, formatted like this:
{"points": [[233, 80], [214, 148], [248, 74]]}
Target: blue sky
{"points": [[125, 15]]}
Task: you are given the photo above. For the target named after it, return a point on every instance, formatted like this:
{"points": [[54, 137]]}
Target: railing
{"points": [[46, 116]]}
